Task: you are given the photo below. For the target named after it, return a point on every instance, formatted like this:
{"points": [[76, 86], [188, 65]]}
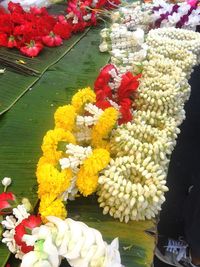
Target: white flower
{"points": [[2, 71], [174, 18], [183, 9], [75, 241], [6, 182], [104, 47], [20, 213], [45, 253]]}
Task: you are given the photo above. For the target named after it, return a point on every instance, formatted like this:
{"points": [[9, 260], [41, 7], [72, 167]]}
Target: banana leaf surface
{"points": [[23, 127]]}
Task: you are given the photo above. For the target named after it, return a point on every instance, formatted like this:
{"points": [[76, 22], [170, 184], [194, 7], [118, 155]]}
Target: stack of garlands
{"points": [[78, 148], [29, 31], [132, 186], [159, 13]]}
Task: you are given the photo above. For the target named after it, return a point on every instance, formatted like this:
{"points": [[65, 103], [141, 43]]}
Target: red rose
{"points": [[2, 10], [14, 7], [6, 201], [79, 27], [104, 77], [52, 40], [125, 110], [38, 11], [32, 49], [103, 104], [24, 228], [11, 42], [63, 30], [3, 39], [128, 86]]}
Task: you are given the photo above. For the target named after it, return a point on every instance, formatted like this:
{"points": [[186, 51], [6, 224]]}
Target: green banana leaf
{"points": [[23, 127]]}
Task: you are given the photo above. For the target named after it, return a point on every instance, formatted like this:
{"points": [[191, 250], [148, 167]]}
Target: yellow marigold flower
{"points": [[43, 160], [49, 206], [87, 178], [51, 140], [86, 184], [98, 160], [104, 126], [65, 117], [83, 97], [51, 180]]}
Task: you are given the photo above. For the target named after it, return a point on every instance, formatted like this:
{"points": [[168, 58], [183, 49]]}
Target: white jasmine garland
{"points": [[126, 189], [76, 155], [89, 120], [126, 47], [131, 188], [83, 134], [75, 241]]}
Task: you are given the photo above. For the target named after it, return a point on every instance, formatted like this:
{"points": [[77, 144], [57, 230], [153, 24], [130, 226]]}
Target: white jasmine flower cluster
{"points": [[126, 47], [79, 244], [132, 187], [89, 120], [135, 15], [9, 224], [76, 156]]}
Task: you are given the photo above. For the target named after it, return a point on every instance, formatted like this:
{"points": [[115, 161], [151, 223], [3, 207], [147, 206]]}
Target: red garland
{"points": [[123, 95], [31, 31]]}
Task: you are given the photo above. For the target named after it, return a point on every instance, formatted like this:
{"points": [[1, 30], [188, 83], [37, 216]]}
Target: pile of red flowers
{"points": [[31, 31], [84, 13], [113, 89]]}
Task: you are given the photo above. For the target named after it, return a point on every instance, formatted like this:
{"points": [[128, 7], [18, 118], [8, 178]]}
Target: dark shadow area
{"points": [[184, 168]]}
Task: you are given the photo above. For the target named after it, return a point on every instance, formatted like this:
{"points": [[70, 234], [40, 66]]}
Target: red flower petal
{"points": [[20, 230]]}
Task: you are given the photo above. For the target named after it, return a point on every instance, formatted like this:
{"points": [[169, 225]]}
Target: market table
{"points": [[30, 103]]}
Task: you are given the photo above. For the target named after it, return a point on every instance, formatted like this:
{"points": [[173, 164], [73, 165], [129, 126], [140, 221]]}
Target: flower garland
{"points": [[127, 48], [158, 13], [181, 15], [47, 244], [132, 186], [78, 148]]}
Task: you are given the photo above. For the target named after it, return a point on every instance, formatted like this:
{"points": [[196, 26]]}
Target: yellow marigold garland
{"points": [[50, 142], [104, 126], [87, 178], [50, 206], [65, 117], [51, 180], [83, 97]]}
